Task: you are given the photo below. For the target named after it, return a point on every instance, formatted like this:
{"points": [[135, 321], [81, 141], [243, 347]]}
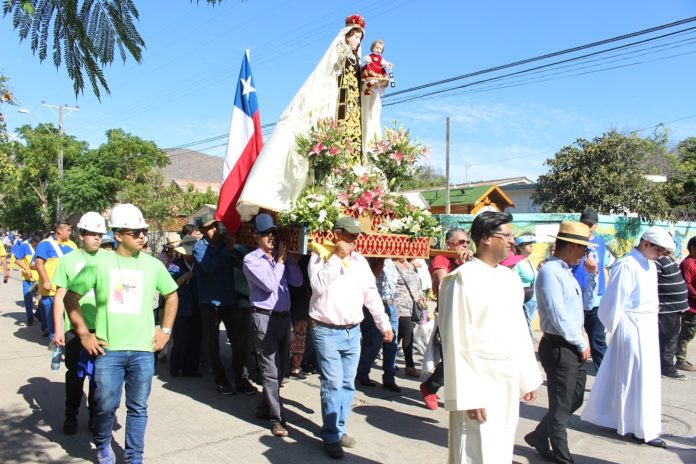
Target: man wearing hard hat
{"points": [[90, 228], [124, 283]]}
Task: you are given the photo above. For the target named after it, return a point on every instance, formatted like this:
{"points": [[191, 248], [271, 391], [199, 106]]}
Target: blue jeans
{"points": [[596, 336], [373, 340], [28, 300], [46, 308], [338, 351], [530, 309], [136, 368]]}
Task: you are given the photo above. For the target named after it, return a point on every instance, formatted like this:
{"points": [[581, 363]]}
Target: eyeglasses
{"points": [[660, 249], [268, 233], [504, 236], [136, 232], [460, 242]]}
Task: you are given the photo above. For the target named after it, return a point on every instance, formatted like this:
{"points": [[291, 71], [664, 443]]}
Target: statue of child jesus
{"points": [[374, 76]]}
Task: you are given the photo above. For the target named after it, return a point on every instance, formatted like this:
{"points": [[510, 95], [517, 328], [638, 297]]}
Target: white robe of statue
{"points": [[280, 173], [626, 394], [488, 357]]}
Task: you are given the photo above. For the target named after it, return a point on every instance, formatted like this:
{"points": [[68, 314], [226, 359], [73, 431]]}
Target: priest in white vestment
{"points": [[488, 354], [626, 394]]}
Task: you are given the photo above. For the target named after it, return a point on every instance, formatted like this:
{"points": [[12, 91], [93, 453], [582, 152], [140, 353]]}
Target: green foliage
{"points": [[190, 200], [426, 176], [606, 174], [682, 183], [83, 34]]}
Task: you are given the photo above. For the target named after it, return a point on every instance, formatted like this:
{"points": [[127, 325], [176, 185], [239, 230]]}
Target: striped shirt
{"points": [[671, 288]]}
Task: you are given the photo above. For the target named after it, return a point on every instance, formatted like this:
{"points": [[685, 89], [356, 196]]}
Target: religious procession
{"points": [[322, 268]]}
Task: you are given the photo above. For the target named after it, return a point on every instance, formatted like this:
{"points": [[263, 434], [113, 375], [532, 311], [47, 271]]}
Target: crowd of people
{"points": [[109, 306]]}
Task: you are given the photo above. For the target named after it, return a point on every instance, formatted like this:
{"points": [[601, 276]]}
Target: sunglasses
{"points": [[89, 233], [136, 232], [268, 233]]}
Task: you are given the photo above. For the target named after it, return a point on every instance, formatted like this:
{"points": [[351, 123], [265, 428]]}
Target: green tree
{"points": [[85, 34], [426, 176], [682, 183], [190, 200], [30, 182], [607, 174]]}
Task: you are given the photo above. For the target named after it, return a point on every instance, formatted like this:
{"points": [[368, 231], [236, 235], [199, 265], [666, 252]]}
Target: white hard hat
{"points": [[127, 216], [93, 222]]}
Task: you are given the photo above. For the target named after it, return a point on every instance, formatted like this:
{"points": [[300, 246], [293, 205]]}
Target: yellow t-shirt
{"points": [[46, 250], [2, 250]]}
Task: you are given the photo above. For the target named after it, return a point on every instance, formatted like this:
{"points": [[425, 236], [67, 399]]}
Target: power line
{"points": [[536, 69]]}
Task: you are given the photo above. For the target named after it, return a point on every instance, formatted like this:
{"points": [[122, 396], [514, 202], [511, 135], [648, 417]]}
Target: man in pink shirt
{"points": [[342, 284]]}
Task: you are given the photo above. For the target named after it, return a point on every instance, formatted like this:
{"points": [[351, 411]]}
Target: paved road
{"points": [[191, 423]]}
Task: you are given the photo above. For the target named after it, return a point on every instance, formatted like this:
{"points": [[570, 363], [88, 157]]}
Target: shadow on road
{"points": [[405, 425], [26, 437]]}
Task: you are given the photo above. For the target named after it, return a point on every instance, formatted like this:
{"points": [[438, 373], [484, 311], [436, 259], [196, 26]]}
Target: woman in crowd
{"points": [[408, 279]]}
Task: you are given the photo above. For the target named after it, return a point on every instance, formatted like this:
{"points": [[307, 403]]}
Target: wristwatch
{"points": [[167, 330]]}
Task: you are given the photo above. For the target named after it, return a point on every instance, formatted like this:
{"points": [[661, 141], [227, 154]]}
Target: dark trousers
{"points": [[74, 384], [406, 337], [669, 335], [272, 343], [186, 349], [686, 334], [596, 335], [231, 317], [565, 374]]}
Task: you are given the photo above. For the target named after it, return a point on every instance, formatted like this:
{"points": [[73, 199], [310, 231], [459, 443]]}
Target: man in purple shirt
{"points": [[269, 270]]}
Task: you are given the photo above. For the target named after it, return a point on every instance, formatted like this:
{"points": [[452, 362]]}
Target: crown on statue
{"points": [[355, 21]]}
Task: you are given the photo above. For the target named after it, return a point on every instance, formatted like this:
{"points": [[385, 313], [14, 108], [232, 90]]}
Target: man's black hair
{"points": [[36, 236], [691, 243], [187, 230], [488, 223]]}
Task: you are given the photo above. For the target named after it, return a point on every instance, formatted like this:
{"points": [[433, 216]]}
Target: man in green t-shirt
{"points": [[91, 227], [125, 336]]}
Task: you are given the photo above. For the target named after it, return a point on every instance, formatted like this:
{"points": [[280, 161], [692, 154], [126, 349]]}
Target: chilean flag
{"points": [[243, 146]]}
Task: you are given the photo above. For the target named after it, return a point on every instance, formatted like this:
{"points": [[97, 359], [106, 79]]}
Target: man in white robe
{"points": [[488, 354], [626, 394]]}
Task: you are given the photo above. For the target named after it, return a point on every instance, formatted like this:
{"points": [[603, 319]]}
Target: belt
{"points": [[314, 323], [556, 338], [269, 312]]}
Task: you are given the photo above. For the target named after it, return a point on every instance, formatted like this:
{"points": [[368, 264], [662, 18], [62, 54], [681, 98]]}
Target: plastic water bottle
{"points": [[56, 355]]}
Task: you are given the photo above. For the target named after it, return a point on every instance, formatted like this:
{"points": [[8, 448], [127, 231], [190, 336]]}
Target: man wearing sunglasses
{"points": [[562, 349], [217, 298], [124, 283], [626, 395], [270, 271]]}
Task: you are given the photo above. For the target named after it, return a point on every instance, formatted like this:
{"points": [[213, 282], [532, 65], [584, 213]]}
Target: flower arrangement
{"points": [[396, 155], [325, 146], [362, 189], [410, 220], [317, 209]]}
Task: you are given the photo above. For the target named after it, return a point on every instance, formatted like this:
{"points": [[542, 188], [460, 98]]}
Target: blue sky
{"points": [[184, 89]]}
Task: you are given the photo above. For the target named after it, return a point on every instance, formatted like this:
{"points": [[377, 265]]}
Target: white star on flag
{"points": [[247, 86]]}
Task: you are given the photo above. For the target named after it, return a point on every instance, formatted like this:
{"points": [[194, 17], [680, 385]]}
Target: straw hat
{"points": [[574, 232], [186, 247], [173, 239]]}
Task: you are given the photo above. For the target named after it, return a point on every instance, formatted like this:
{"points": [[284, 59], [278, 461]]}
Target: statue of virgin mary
{"points": [[332, 90]]}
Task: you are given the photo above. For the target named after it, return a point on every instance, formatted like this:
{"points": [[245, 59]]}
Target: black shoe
{"points": [[30, 322], [392, 387], [244, 386], [226, 389], [298, 376], [334, 450], [674, 375], [657, 443], [542, 448], [367, 382], [70, 426]]}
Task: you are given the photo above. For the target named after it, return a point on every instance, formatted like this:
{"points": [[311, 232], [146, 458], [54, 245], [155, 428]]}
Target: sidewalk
{"points": [[190, 423]]}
